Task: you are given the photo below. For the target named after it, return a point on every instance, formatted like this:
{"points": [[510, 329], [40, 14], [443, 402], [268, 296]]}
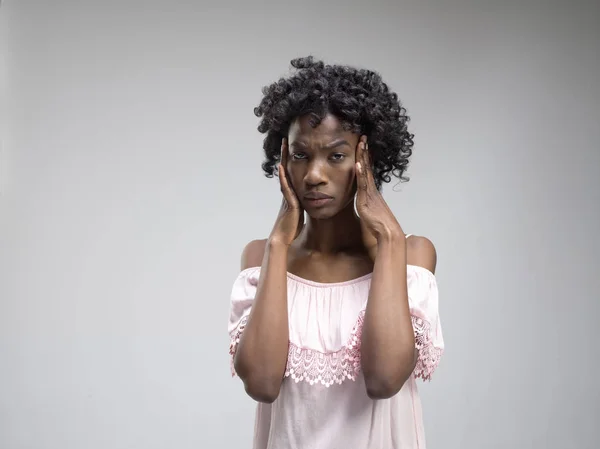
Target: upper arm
{"points": [[421, 252], [253, 253]]}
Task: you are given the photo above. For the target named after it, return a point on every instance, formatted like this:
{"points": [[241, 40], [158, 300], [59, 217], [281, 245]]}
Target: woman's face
{"points": [[321, 165]]}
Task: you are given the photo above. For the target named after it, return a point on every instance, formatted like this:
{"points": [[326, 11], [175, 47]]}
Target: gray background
{"points": [[130, 176]]}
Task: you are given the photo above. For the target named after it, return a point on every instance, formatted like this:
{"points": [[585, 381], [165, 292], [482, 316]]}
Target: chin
{"points": [[322, 213]]}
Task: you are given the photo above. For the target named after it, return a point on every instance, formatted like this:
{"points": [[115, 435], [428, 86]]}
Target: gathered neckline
{"points": [[302, 280], [364, 278]]}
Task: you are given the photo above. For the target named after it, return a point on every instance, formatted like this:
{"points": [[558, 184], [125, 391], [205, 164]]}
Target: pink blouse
{"points": [[323, 402]]}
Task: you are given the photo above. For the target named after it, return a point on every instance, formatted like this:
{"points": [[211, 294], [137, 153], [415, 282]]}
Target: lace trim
{"points": [[429, 355], [327, 368], [235, 341], [331, 368]]}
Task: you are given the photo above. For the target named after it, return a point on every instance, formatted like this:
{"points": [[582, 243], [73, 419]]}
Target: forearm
{"points": [[262, 352], [388, 342]]}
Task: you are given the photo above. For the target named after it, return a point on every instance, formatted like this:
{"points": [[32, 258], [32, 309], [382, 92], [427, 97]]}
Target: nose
{"points": [[315, 173]]}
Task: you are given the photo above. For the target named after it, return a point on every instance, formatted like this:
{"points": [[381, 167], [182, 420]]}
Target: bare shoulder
{"points": [[421, 252], [253, 253]]}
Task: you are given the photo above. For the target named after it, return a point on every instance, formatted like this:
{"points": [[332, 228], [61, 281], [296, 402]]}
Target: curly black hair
{"points": [[357, 97]]}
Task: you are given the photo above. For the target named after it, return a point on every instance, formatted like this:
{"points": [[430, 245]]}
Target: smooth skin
{"points": [[333, 245]]}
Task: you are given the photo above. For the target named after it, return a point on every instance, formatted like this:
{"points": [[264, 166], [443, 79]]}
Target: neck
{"points": [[339, 233]]}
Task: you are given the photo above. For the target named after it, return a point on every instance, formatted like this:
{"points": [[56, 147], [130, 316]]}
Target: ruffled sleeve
{"points": [[242, 297], [424, 309]]}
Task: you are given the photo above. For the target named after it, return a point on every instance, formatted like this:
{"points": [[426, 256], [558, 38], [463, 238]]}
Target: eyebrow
{"points": [[329, 146], [335, 144]]}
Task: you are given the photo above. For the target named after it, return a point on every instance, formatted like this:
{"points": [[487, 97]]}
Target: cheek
{"points": [[350, 180], [294, 175]]}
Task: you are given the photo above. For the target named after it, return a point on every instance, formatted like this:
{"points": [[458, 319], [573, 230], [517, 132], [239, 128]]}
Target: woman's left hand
{"points": [[376, 219]]}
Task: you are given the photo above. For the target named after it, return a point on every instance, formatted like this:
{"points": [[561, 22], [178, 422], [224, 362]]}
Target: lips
{"points": [[317, 199], [316, 196]]}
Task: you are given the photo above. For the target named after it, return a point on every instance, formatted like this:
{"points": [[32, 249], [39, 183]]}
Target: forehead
{"points": [[330, 126]]}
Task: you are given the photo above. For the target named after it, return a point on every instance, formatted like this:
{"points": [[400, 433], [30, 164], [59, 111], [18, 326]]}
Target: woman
{"points": [[334, 317]]}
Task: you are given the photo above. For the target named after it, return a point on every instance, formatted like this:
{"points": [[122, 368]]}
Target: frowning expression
{"points": [[321, 165]]}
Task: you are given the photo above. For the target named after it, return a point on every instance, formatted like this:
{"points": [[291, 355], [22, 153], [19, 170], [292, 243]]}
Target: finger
{"points": [[361, 179], [368, 165], [364, 155], [368, 156], [284, 153], [358, 159], [284, 159], [365, 161], [283, 182], [363, 151], [286, 189], [359, 149]]}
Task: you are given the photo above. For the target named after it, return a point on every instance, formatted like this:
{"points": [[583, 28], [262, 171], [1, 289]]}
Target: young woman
{"points": [[334, 316]]}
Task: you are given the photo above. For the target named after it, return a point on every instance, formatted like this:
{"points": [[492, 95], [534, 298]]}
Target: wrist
{"points": [[275, 243], [391, 236], [392, 248]]}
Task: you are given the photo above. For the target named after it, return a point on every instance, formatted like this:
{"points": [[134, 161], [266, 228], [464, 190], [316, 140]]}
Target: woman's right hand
{"points": [[290, 220]]}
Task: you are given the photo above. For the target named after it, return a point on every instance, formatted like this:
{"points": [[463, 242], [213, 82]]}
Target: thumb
{"points": [[300, 224], [300, 218]]}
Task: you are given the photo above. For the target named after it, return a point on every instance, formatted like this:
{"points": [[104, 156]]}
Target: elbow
{"points": [[260, 384], [385, 384], [384, 388], [262, 391]]}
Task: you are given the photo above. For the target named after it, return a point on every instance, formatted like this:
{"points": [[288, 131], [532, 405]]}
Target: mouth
{"points": [[317, 199]]}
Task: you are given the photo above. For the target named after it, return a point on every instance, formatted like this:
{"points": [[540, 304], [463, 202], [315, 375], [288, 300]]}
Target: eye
{"points": [[298, 156], [337, 157]]}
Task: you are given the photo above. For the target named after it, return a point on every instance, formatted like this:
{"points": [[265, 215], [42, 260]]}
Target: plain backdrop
{"points": [[130, 181]]}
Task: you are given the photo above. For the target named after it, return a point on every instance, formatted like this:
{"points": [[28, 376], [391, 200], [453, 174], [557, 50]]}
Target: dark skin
{"points": [[335, 244]]}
